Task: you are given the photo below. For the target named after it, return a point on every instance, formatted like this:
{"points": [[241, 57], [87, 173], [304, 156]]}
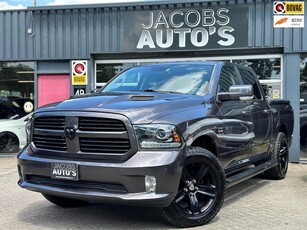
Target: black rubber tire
{"points": [[9, 143], [198, 162], [65, 202], [281, 153]]}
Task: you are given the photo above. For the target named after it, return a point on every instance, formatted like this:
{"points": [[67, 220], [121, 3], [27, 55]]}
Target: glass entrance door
{"points": [[303, 106]]}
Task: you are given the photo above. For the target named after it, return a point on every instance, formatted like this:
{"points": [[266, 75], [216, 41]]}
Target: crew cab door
{"points": [[235, 137], [261, 114]]}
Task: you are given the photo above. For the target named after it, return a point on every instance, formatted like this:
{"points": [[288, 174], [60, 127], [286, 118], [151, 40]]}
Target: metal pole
{"points": [[34, 2]]}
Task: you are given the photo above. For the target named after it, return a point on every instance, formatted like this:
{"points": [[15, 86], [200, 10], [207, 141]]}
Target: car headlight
{"points": [[28, 130], [157, 136]]}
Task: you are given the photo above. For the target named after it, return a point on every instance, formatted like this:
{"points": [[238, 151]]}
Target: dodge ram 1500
{"points": [[170, 135]]}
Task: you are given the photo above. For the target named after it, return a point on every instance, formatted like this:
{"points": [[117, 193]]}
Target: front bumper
{"points": [[97, 180]]}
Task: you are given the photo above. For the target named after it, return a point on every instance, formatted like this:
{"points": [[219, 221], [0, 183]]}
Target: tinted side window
{"points": [[228, 78], [249, 79]]}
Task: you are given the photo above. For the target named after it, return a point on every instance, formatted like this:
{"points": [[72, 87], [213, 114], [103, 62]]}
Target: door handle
{"points": [[267, 111], [246, 112]]}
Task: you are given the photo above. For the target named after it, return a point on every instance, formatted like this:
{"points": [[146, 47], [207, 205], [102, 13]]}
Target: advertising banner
{"points": [[79, 72], [288, 14], [186, 29]]}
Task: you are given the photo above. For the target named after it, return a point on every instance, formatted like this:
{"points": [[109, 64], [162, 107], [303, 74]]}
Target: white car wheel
{"points": [[8, 143]]}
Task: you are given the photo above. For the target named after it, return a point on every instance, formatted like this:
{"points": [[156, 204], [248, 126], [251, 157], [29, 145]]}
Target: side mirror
{"points": [[237, 92], [16, 116], [95, 90]]}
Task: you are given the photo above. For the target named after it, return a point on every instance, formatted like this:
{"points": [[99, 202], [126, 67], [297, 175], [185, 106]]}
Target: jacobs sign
{"points": [[197, 28]]}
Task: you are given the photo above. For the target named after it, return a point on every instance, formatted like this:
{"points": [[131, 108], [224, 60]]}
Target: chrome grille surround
{"points": [[90, 141]]}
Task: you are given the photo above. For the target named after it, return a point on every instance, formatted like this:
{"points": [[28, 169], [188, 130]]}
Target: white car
{"points": [[13, 134]]}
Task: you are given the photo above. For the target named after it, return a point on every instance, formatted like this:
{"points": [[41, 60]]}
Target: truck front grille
{"points": [[104, 145], [52, 123], [94, 186], [52, 142], [93, 137], [100, 124]]}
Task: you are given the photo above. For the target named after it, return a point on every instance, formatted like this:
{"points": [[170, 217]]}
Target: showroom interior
{"points": [[39, 44]]}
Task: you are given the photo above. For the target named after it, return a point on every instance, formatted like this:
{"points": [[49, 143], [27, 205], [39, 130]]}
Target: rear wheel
{"points": [[65, 202], [201, 190], [8, 143], [281, 154]]}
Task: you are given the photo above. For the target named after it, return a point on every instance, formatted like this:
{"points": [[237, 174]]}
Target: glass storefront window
{"points": [[105, 72], [303, 80], [16, 89], [265, 68], [303, 105], [268, 71]]}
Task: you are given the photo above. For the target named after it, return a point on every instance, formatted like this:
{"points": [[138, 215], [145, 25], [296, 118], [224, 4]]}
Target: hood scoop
{"points": [[141, 98]]}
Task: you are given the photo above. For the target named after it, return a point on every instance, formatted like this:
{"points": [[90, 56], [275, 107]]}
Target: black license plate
{"points": [[66, 171]]}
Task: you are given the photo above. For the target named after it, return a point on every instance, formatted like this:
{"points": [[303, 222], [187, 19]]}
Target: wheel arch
{"points": [[206, 142], [284, 129], [11, 133]]}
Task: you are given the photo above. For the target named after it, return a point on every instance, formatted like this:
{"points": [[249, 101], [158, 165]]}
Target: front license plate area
{"points": [[65, 171]]}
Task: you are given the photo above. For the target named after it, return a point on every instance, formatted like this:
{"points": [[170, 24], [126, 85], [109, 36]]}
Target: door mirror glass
{"points": [[95, 90], [237, 92]]}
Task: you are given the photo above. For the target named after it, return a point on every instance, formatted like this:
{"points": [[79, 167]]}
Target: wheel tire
{"points": [[65, 202], [201, 190], [281, 153], [9, 143]]}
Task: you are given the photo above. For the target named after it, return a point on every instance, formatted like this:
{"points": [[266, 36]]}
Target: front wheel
{"points": [[201, 190], [8, 143], [281, 154]]}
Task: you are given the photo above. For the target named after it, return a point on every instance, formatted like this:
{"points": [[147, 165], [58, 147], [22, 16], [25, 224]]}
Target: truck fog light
{"points": [[150, 183]]}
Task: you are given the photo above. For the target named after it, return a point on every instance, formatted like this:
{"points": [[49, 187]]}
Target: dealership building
{"points": [[50, 53]]}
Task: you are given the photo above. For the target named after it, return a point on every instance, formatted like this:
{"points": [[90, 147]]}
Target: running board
{"points": [[249, 173]]}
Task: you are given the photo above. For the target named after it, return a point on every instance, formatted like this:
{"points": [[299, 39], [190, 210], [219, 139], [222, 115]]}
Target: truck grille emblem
{"points": [[70, 133]]}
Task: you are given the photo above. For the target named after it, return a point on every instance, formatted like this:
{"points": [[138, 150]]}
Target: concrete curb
{"points": [[8, 155]]}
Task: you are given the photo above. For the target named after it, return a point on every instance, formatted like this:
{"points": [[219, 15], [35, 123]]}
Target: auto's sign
{"points": [[183, 29]]}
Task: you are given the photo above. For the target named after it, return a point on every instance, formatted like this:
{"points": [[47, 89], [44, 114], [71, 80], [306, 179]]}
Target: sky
{"points": [[20, 4]]}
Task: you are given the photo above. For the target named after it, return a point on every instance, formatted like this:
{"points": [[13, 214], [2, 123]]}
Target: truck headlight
{"points": [[157, 136], [28, 130]]}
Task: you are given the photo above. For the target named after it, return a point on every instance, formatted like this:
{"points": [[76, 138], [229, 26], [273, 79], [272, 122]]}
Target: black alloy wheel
{"points": [[201, 190], [8, 143], [281, 154], [197, 190]]}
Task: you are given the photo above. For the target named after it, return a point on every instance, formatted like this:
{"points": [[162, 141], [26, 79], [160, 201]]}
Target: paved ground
{"points": [[253, 204]]}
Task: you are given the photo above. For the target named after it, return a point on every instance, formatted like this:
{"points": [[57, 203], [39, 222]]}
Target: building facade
{"points": [[50, 53]]}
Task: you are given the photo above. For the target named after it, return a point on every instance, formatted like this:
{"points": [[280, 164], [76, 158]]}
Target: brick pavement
{"points": [[253, 204]]}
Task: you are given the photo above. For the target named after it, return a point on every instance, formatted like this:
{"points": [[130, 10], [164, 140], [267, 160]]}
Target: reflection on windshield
{"points": [[175, 78]]}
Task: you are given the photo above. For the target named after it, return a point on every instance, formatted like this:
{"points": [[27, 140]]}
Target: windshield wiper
{"points": [[160, 91], [151, 90]]}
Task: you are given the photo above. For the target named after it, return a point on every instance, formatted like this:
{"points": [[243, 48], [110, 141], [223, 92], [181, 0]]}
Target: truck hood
{"points": [[138, 107]]}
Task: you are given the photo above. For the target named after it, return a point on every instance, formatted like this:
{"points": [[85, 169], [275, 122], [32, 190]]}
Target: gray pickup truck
{"points": [[170, 135]]}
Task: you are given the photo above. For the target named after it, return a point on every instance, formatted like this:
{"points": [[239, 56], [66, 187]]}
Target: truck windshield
{"points": [[170, 78]]}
